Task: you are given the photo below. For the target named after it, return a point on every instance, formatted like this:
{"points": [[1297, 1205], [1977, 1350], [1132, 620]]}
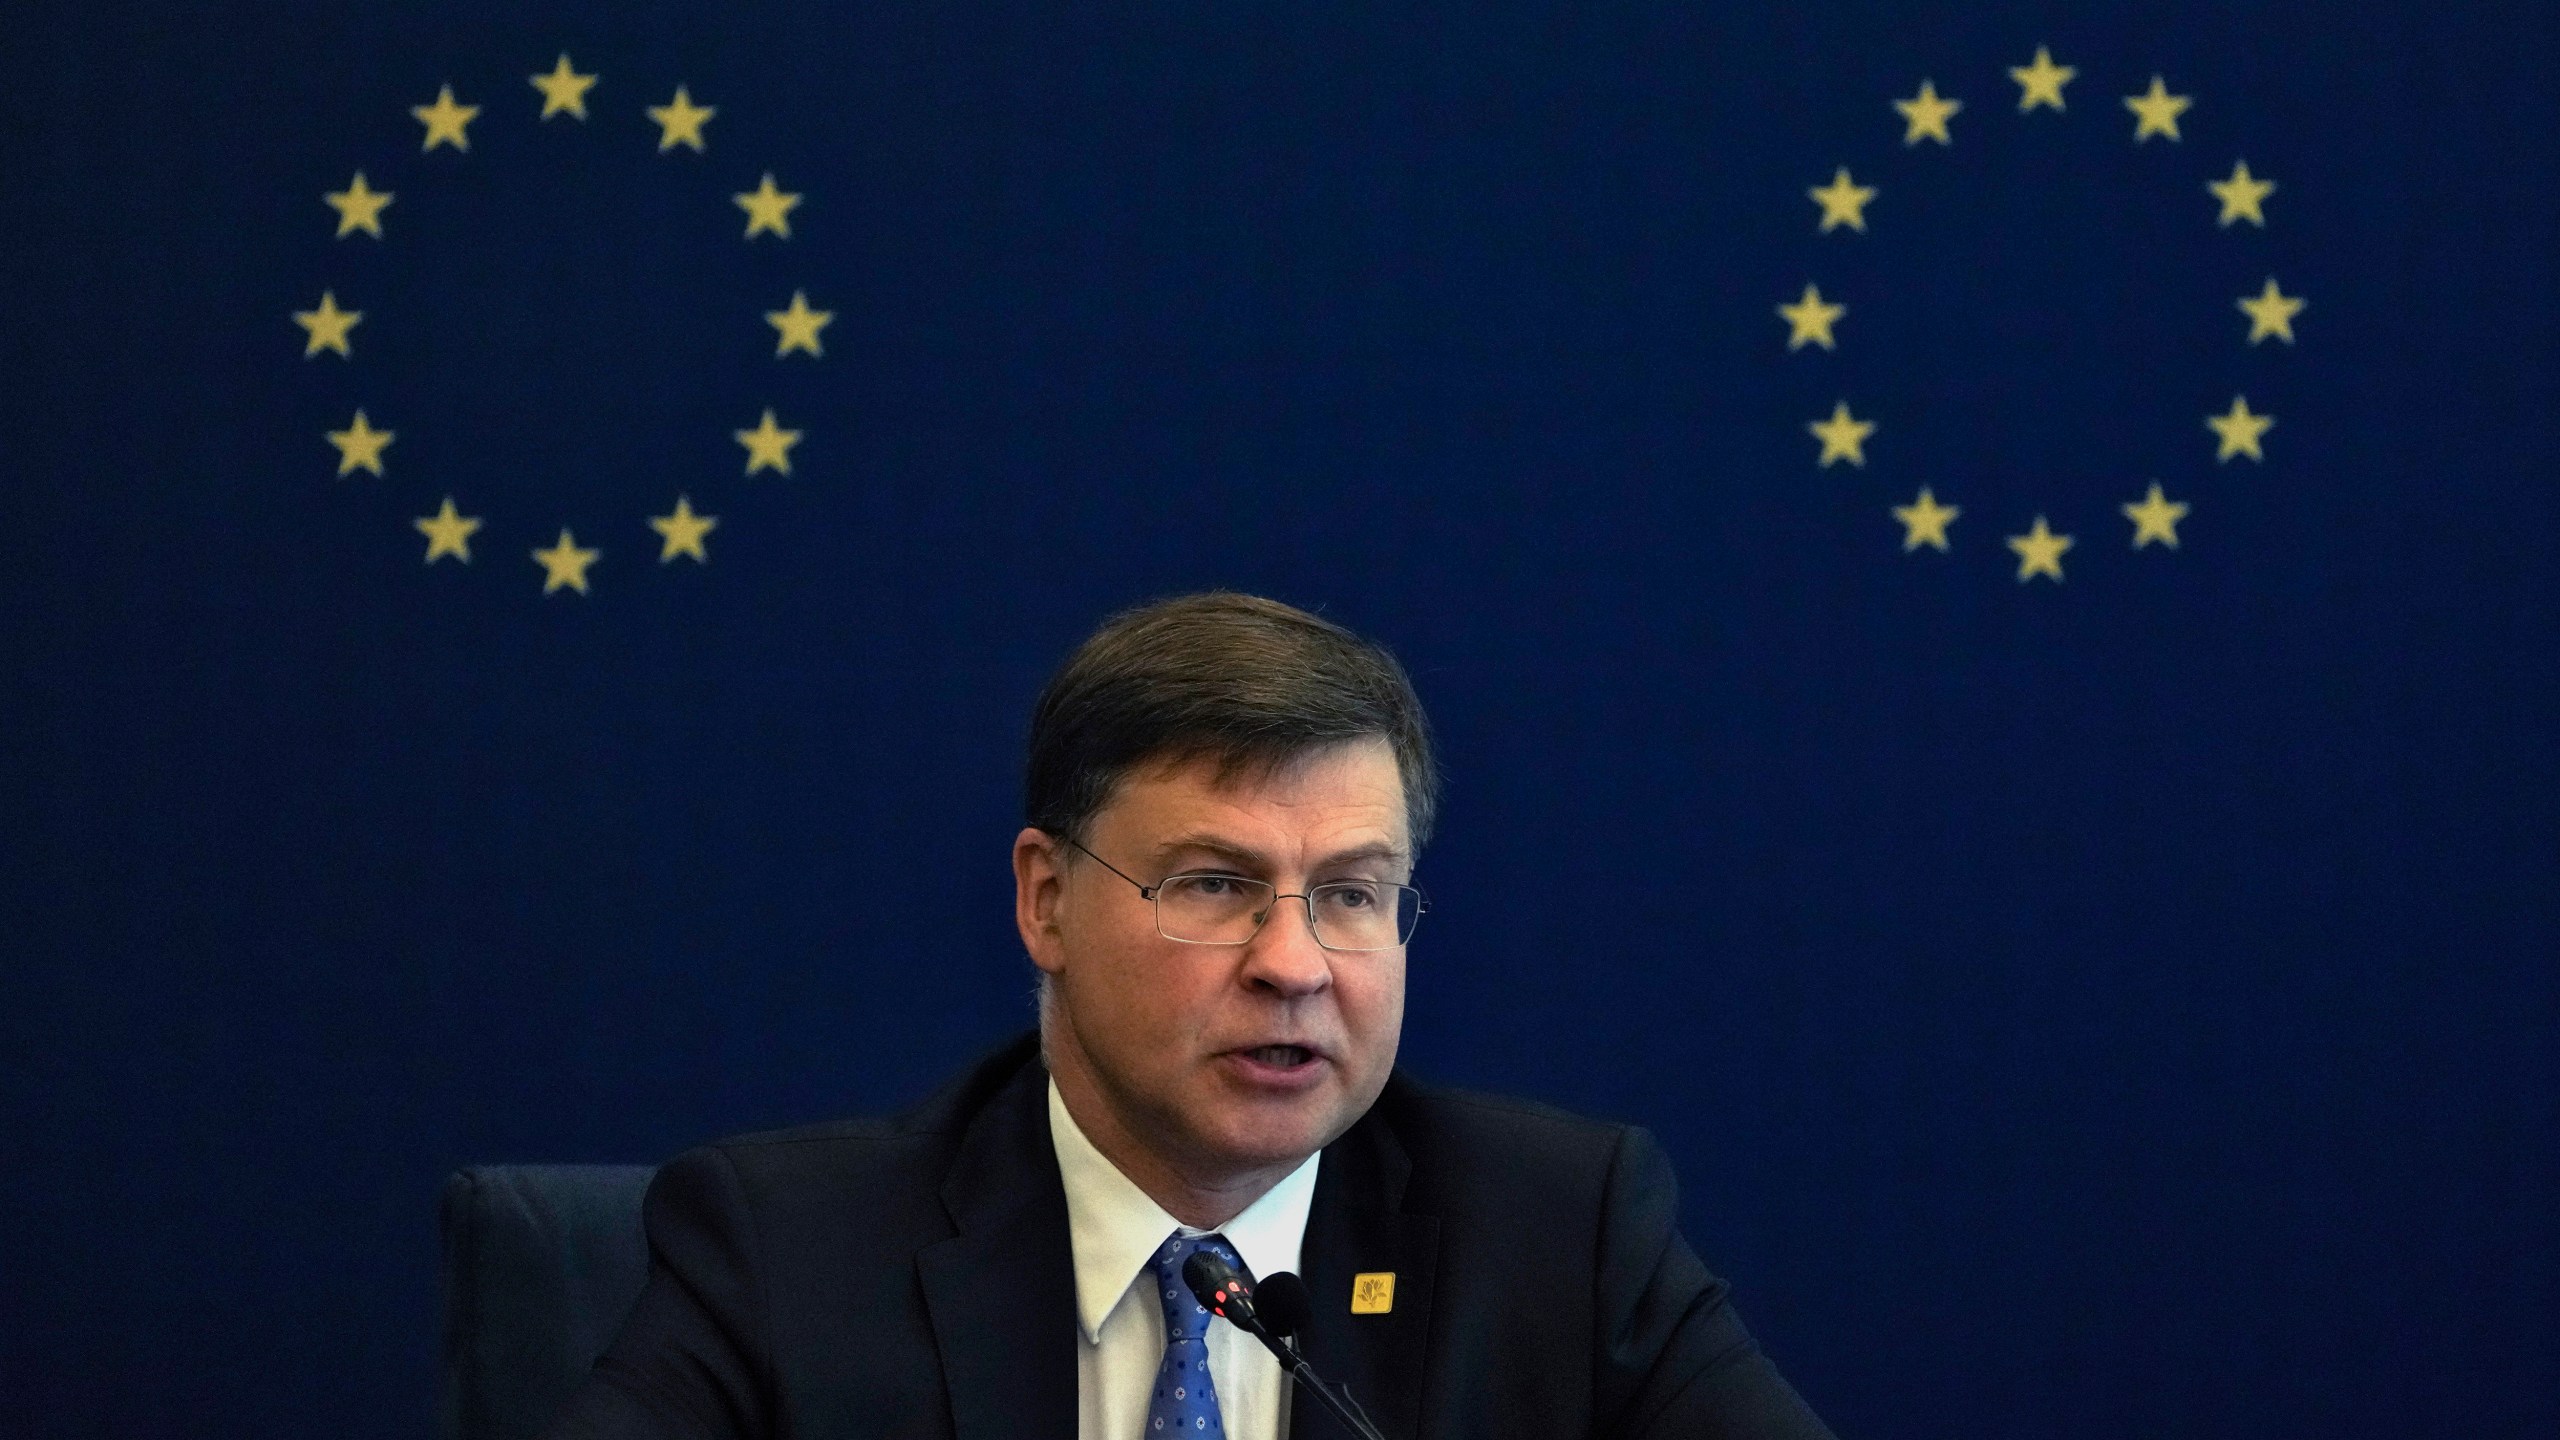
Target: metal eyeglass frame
{"points": [[1421, 903]]}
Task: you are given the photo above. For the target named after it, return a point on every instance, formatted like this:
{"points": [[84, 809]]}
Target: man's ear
{"points": [[1039, 888]]}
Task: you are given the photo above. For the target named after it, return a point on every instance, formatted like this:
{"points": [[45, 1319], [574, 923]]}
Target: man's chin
{"points": [[1268, 1130]]}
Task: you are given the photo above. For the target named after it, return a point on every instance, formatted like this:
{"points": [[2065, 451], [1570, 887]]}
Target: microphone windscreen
{"points": [[1283, 1301], [1220, 1288]]}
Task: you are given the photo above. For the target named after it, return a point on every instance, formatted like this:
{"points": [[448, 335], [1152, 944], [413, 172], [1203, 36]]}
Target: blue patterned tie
{"points": [[1185, 1403]]}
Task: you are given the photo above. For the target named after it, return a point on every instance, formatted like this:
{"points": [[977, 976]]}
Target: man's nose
{"points": [[1283, 955]]}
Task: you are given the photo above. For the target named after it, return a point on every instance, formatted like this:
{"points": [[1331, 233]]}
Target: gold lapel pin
{"points": [[1373, 1292]]}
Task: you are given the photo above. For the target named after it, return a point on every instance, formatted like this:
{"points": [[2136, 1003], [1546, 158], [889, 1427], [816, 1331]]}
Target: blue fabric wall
{"points": [[2113, 1007]]}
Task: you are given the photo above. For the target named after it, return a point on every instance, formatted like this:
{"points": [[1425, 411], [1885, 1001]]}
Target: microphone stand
{"points": [[1336, 1399]]}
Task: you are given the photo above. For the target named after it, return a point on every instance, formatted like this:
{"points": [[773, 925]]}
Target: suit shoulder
{"points": [[1465, 1133], [1508, 1117], [919, 1139], [857, 1130]]}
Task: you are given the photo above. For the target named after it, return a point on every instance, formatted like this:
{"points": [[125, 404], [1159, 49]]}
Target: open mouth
{"points": [[1282, 1057]]}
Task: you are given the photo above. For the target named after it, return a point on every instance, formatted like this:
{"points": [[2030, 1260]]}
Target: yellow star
{"points": [[444, 120], [447, 533], [327, 326], [1924, 522], [2039, 553], [768, 208], [2156, 518], [359, 446], [1812, 318], [799, 326], [565, 564], [564, 90], [2156, 111], [359, 207], [2241, 195], [1842, 202], [680, 121], [2271, 312], [768, 445], [2240, 430], [683, 532], [2042, 81], [1842, 438], [1926, 116]]}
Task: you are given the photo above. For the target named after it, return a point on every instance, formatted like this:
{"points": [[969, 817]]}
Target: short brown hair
{"points": [[1248, 682]]}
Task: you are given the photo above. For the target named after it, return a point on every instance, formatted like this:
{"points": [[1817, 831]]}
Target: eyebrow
{"points": [[1245, 858]]}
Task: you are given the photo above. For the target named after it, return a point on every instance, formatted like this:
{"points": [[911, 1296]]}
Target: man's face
{"points": [[1222, 1060]]}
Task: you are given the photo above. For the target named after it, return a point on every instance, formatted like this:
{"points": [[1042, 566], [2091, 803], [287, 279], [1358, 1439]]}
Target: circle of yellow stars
{"points": [[330, 327], [1812, 318]]}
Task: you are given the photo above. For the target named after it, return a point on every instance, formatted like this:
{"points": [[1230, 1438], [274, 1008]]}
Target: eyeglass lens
{"points": [[1227, 910]]}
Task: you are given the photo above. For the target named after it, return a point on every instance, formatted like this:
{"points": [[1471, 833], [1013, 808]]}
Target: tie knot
{"points": [[1185, 1318]]}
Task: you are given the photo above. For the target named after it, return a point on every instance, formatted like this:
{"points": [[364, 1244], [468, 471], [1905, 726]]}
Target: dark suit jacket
{"points": [[911, 1277]]}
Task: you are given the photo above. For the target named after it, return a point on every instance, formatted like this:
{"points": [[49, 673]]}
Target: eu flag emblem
{"points": [[2039, 363], [558, 463]]}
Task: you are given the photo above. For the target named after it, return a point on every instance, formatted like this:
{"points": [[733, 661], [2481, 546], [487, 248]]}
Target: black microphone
{"points": [[1228, 1292]]}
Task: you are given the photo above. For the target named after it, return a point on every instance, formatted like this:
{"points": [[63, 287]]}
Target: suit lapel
{"points": [[1002, 1291], [1356, 1226]]}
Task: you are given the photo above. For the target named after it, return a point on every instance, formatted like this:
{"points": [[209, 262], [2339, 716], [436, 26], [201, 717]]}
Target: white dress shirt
{"points": [[1116, 1230]]}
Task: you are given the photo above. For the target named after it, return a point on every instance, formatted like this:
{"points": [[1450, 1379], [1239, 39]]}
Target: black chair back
{"points": [[541, 1264]]}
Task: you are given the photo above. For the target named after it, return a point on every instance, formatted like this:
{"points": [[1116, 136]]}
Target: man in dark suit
{"points": [[1225, 799]]}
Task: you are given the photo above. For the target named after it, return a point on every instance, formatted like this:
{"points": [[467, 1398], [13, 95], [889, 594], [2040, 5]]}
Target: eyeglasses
{"points": [[1212, 909]]}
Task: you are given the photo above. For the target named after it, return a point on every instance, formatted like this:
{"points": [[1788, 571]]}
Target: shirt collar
{"points": [[1115, 1228]]}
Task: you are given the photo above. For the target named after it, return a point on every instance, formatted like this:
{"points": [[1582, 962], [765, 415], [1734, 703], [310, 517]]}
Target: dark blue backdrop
{"points": [[2113, 1007]]}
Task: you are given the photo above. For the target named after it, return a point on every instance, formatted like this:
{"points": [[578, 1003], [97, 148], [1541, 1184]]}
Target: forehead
{"points": [[1352, 792]]}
